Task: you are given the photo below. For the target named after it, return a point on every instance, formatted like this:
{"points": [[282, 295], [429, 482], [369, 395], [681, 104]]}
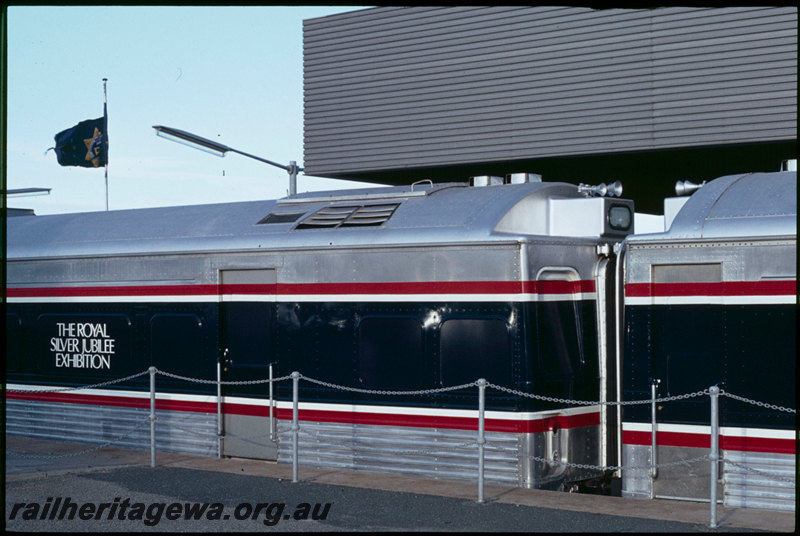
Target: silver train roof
{"points": [[747, 205], [441, 213]]}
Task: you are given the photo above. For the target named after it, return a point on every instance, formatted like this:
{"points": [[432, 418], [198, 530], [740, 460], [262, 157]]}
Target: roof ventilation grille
{"points": [[332, 217], [280, 217]]}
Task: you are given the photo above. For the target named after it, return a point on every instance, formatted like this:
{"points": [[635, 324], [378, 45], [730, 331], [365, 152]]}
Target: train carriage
{"points": [[386, 298], [414, 288], [712, 301]]}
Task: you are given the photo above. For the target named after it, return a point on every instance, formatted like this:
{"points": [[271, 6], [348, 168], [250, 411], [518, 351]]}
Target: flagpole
{"points": [[105, 134]]}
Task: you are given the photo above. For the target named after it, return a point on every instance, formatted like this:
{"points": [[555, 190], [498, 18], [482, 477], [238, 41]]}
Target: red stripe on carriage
{"points": [[322, 289], [724, 288], [116, 401], [758, 444], [117, 290], [249, 288], [515, 426], [441, 287], [433, 287], [726, 442]]}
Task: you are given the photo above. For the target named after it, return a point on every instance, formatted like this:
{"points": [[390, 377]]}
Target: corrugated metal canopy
{"points": [[398, 89]]}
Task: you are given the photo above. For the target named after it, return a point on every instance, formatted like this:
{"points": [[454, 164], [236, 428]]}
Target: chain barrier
{"points": [[81, 387], [774, 476], [250, 437], [241, 382], [379, 392], [508, 390], [757, 403], [571, 402], [418, 392], [687, 461], [127, 434], [472, 443], [173, 426]]}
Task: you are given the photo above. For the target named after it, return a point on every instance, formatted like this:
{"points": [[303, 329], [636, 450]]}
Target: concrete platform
{"points": [[32, 458]]}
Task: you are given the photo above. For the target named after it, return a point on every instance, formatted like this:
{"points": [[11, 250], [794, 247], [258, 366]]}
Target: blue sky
{"points": [[231, 74]]}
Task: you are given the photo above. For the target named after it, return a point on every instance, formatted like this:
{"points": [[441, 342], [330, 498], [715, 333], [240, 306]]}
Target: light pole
{"points": [[22, 192], [218, 149]]}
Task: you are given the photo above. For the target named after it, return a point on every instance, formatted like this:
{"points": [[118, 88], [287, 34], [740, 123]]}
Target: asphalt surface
{"points": [[117, 490]]}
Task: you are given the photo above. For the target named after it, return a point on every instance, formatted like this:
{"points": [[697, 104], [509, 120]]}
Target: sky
{"points": [[230, 74]]}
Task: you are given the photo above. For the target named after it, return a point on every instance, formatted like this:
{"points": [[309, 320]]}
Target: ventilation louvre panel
{"points": [[280, 217], [349, 216]]}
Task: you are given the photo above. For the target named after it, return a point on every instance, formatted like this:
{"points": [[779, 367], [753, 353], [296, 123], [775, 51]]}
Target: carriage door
{"points": [[247, 326]]}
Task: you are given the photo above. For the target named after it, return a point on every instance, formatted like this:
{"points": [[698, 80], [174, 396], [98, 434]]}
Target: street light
{"points": [[218, 149], [22, 192]]}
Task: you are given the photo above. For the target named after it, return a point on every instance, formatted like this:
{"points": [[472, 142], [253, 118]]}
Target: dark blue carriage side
{"points": [[179, 338], [363, 345], [392, 347], [745, 349]]}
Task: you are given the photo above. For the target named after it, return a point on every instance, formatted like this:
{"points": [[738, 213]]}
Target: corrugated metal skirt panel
{"points": [[749, 479], [438, 453], [176, 431], [421, 452], [760, 480]]}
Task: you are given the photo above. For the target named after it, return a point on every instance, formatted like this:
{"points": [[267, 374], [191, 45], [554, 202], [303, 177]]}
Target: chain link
{"points": [[687, 461], [85, 451], [596, 403], [774, 476], [428, 452], [379, 392], [242, 382], [757, 403], [93, 386], [250, 437], [578, 465], [304, 433]]}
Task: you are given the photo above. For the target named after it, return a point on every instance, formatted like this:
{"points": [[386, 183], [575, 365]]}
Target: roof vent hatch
{"points": [[332, 217]]}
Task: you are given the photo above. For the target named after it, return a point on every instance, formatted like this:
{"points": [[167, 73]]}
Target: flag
{"points": [[85, 144]]}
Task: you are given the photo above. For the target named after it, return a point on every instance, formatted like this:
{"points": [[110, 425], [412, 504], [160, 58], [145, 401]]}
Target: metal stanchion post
{"points": [[481, 438], [152, 371], [219, 409], [714, 454], [295, 425], [271, 407], [653, 445]]}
